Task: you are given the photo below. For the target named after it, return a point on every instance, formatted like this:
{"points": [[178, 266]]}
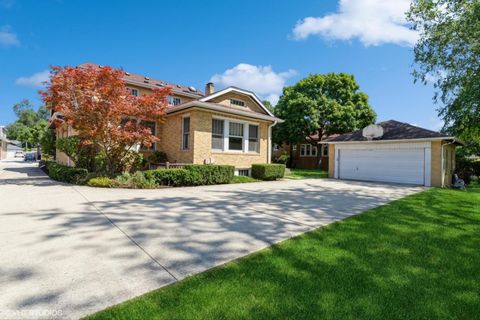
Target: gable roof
{"points": [[393, 130], [238, 90], [147, 82], [239, 111]]}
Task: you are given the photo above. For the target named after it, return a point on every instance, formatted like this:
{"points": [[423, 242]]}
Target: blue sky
{"points": [[260, 45]]}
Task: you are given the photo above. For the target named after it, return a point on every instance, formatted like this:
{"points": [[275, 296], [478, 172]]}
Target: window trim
{"points": [[226, 132], [309, 150], [187, 116], [324, 147], [173, 101], [237, 105], [134, 89]]}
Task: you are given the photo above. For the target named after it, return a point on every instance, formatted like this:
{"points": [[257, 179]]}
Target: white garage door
{"points": [[386, 165]]}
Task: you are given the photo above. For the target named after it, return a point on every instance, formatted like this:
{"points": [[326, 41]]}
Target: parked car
{"points": [[30, 157], [19, 154]]}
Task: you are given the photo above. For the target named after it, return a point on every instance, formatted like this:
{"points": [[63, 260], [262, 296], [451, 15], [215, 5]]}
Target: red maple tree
{"points": [[95, 102]]}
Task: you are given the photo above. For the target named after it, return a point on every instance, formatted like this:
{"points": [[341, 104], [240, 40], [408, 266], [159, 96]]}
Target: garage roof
{"points": [[394, 130]]}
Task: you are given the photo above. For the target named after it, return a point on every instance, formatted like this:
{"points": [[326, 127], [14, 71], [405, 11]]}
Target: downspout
{"points": [[269, 150]]}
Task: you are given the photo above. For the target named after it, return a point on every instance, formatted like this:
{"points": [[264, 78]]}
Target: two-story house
{"points": [[229, 126]]}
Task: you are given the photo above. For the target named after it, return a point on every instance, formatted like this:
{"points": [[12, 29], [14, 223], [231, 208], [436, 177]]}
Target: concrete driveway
{"points": [[68, 251]]}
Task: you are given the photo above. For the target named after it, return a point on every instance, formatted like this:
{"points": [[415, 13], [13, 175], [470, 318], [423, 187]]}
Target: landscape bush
{"points": [[272, 171], [66, 174], [102, 182], [158, 157], [192, 175], [169, 177], [283, 158], [209, 174], [137, 180]]}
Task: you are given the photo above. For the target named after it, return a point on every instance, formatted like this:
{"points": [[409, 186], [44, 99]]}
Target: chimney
{"points": [[209, 88]]}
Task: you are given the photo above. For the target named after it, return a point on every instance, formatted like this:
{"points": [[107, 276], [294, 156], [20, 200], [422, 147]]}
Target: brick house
{"points": [[230, 126], [309, 154]]}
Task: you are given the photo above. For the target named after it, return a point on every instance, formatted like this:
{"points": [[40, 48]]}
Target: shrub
{"points": [[169, 177], [158, 157], [192, 175], [476, 167], [137, 180], [207, 174], [101, 182], [66, 174], [283, 158], [268, 171]]}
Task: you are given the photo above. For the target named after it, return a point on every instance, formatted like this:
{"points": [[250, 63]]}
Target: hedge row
{"points": [[268, 172], [192, 175], [66, 174]]}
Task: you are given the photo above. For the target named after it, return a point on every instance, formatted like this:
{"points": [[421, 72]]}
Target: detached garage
{"points": [[395, 152]]}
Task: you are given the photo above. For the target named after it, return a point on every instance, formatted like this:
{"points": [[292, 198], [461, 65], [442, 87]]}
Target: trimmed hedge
{"points": [[265, 171], [168, 177], [66, 174], [192, 175], [207, 174]]}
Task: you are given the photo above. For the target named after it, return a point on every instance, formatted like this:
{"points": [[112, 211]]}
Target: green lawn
{"points": [[415, 258], [305, 174]]}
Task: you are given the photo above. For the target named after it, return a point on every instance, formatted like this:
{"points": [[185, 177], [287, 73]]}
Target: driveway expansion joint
{"points": [[126, 234]]}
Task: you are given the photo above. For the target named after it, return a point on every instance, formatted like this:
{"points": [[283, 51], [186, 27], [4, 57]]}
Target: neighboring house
{"points": [[310, 154], [393, 151], [230, 126], [3, 143]]}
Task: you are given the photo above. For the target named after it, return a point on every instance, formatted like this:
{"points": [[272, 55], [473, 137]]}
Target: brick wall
{"points": [[201, 122]]}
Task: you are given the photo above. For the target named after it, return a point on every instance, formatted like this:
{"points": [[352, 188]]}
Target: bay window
{"points": [[235, 136]]}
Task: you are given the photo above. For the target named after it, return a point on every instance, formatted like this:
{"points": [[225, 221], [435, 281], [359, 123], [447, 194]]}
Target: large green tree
{"points": [[323, 105], [448, 53], [31, 124]]}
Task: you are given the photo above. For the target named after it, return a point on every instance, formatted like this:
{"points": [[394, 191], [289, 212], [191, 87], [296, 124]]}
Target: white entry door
{"points": [[385, 165]]}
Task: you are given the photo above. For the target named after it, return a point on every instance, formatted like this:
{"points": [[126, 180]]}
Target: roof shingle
{"points": [[392, 130]]}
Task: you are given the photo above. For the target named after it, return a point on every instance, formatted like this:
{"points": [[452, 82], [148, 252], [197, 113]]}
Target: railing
{"points": [[167, 165]]}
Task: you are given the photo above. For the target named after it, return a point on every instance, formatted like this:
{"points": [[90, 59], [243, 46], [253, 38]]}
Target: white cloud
{"points": [[260, 79], [7, 37], [373, 22], [35, 80]]}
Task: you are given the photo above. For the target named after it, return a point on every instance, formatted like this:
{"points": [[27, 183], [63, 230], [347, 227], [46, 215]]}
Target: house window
{"points": [[252, 138], [152, 126], [236, 102], [307, 150], [217, 134], [325, 150], [174, 101], [235, 136], [185, 132], [133, 92]]}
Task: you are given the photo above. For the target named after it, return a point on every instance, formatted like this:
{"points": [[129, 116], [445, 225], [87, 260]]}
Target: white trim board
{"points": [[245, 92]]}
